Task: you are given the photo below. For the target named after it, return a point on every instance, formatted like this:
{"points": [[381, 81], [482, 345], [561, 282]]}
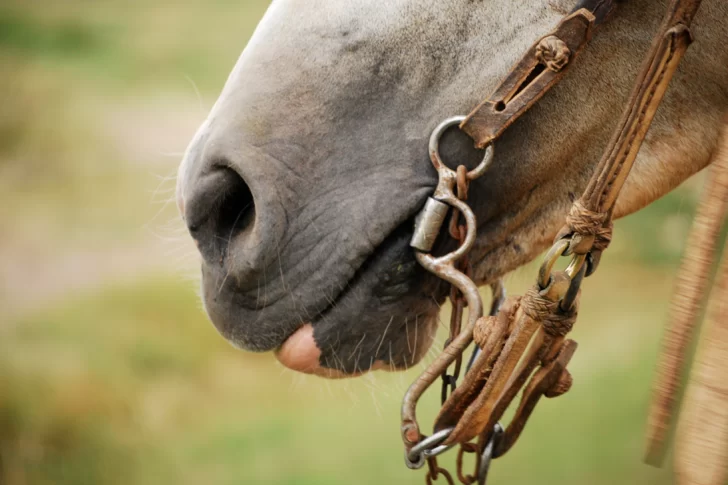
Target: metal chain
{"points": [[457, 231], [435, 471], [468, 448]]}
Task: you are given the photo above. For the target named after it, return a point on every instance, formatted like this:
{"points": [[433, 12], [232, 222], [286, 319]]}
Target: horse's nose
{"points": [[230, 210]]}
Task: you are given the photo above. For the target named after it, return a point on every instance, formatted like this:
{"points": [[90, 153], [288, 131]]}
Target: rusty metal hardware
{"points": [[436, 471], [444, 267], [427, 448], [452, 267], [525, 344], [431, 446], [575, 271], [524, 335], [445, 173], [451, 192]]}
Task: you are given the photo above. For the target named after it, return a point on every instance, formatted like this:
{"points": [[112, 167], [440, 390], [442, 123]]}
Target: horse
{"points": [[301, 187]]}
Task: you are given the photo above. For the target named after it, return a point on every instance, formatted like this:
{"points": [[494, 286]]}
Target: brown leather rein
{"points": [[524, 345]]}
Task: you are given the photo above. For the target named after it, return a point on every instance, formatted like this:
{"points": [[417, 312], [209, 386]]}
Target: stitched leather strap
{"points": [[665, 55], [589, 223], [543, 65], [596, 204]]}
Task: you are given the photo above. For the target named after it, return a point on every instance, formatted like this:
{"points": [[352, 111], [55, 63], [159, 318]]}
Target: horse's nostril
{"points": [[236, 210], [219, 208]]}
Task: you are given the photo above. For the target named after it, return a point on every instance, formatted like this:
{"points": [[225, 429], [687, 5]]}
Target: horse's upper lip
{"points": [[252, 324], [351, 284]]}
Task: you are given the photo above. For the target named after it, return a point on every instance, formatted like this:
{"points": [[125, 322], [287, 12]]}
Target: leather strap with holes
{"points": [[589, 221], [542, 66]]}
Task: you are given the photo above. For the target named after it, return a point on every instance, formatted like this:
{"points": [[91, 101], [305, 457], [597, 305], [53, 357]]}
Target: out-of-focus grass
{"points": [[128, 44], [70, 68], [116, 377]]}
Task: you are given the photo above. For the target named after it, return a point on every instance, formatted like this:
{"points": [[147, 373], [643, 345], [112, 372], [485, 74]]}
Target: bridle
{"points": [[522, 343]]}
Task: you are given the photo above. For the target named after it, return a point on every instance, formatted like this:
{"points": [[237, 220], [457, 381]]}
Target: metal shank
{"points": [[444, 267]]}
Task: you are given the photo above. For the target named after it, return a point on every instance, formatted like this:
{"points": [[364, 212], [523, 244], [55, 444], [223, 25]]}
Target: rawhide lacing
{"points": [[556, 322], [553, 53]]}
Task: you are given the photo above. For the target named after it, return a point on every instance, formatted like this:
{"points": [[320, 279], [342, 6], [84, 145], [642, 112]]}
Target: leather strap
{"points": [[542, 66], [670, 44], [589, 221], [516, 342]]}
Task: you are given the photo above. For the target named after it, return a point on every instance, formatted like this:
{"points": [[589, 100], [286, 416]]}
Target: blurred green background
{"points": [[110, 372]]}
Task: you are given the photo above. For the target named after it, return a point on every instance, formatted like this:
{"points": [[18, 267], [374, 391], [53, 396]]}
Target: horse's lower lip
{"points": [[300, 353]]}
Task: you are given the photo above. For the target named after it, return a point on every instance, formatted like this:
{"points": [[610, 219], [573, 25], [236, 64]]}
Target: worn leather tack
{"points": [[525, 344]]}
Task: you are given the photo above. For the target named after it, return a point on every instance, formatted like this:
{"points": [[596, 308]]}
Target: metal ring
{"points": [[415, 457], [487, 456], [435, 149], [567, 302], [575, 265], [414, 465], [437, 450], [544, 272]]}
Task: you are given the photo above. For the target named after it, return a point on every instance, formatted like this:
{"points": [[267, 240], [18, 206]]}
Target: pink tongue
{"points": [[301, 354]]}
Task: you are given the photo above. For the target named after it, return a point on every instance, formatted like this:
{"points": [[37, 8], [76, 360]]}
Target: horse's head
{"points": [[301, 187]]}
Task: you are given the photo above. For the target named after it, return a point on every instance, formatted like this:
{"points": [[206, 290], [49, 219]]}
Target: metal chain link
{"points": [[457, 231], [468, 448], [435, 471]]}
